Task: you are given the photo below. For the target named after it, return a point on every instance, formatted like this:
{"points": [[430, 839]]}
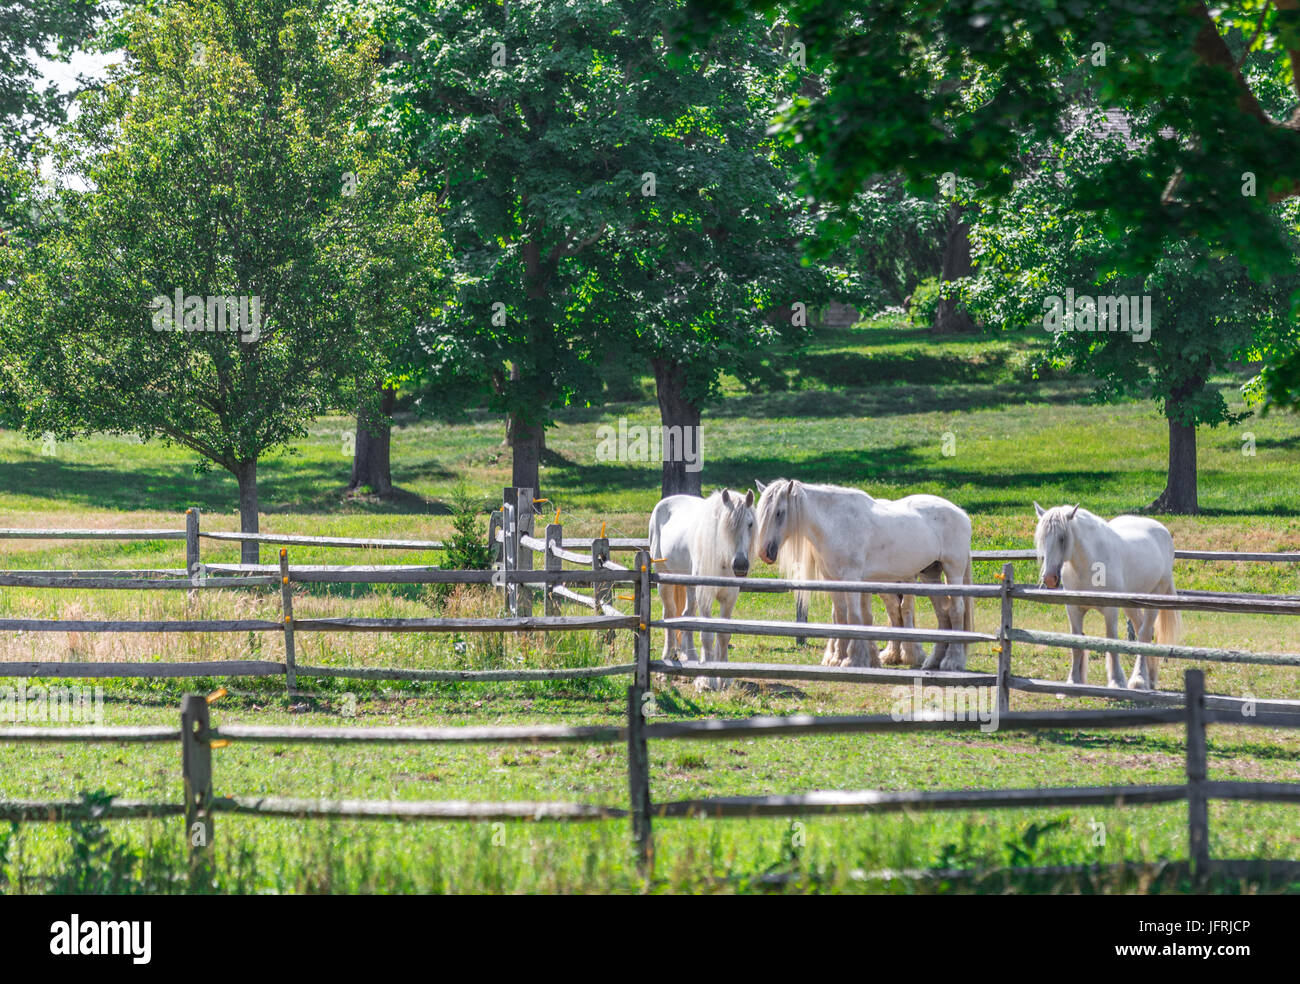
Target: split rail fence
{"points": [[512, 537], [200, 803]]}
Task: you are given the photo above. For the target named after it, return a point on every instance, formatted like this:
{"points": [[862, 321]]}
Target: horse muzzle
{"points": [[1051, 581], [741, 568]]}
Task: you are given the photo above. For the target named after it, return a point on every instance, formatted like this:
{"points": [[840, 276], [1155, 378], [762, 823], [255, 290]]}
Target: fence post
{"points": [[509, 551], [554, 536], [638, 779], [192, 559], [286, 602], [1198, 813], [495, 552], [641, 569], [509, 544], [524, 555], [601, 592], [196, 771], [1004, 638]]}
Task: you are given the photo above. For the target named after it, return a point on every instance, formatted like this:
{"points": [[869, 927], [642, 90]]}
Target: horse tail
{"points": [[1169, 626]]}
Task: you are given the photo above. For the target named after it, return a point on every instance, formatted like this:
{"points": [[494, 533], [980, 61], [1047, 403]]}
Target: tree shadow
{"points": [[287, 485]]}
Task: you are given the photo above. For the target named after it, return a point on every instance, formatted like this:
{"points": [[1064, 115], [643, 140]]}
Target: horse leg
{"points": [[1114, 672], [726, 605], [1079, 666], [931, 575], [689, 611], [668, 595], [892, 655], [954, 657], [708, 641], [940, 652], [860, 652], [1144, 621], [838, 617]]}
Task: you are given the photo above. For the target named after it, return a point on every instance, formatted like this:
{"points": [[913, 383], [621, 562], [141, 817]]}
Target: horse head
{"points": [[1053, 542], [736, 532], [776, 503]]}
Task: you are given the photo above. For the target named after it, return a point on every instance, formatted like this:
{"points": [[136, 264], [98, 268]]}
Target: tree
{"points": [[1041, 264], [1230, 150], [236, 246], [706, 269], [371, 452], [600, 191], [28, 30]]}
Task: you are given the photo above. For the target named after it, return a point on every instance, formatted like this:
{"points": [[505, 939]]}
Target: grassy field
{"points": [[868, 407]]}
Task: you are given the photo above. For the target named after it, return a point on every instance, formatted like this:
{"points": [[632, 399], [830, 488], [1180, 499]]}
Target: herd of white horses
{"points": [[830, 533]]}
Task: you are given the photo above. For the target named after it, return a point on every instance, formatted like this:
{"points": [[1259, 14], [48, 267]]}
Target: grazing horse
{"points": [[701, 536], [1080, 551], [846, 535]]}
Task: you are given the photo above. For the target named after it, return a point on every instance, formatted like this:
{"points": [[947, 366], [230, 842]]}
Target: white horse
{"points": [[845, 535], [701, 536], [1082, 552]]}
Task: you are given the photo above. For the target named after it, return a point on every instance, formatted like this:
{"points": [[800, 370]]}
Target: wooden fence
{"points": [[511, 536], [200, 804], [514, 543]]}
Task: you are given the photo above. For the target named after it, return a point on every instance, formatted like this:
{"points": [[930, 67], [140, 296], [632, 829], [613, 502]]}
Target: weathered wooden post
{"points": [[641, 598], [1198, 812], [509, 551], [495, 551], [601, 592], [192, 558], [638, 779], [286, 603], [196, 771], [509, 546], [554, 539], [1004, 638], [524, 556]]}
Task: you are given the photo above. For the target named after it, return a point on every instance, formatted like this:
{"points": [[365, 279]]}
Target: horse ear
{"points": [[749, 497], [760, 486], [796, 487], [726, 497], [1038, 510], [1073, 511]]}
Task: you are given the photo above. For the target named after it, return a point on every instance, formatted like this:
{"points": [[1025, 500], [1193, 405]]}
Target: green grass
{"points": [[867, 407]]}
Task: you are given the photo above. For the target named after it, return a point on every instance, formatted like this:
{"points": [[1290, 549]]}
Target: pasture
{"points": [[869, 407]]}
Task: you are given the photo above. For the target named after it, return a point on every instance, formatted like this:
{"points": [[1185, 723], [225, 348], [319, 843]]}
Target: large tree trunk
{"points": [[1179, 495], [950, 317], [527, 441], [681, 445], [246, 475], [371, 461]]}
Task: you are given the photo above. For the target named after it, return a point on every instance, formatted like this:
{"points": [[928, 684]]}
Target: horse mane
{"points": [[718, 518], [797, 559], [1054, 520]]}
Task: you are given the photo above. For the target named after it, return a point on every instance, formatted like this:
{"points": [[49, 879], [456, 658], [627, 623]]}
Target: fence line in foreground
{"points": [[201, 804]]}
